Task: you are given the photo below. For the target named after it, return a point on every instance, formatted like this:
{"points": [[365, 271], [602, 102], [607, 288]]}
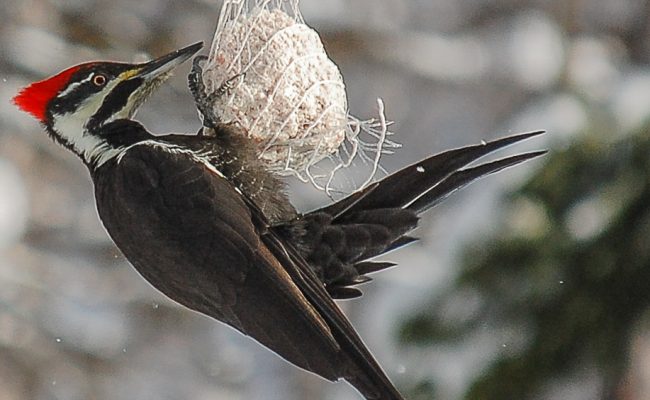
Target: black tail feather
{"points": [[344, 292], [368, 267], [343, 206], [377, 219], [407, 184], [464, 177], [401, 242]]}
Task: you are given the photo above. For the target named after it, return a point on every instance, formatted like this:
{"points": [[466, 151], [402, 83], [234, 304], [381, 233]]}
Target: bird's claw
{"points": [[205, 102]]}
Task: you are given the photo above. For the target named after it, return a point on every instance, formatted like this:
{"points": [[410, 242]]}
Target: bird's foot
{"points": [[205, 102]]}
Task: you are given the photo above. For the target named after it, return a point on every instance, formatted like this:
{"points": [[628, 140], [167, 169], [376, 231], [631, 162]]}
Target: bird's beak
{"points": [[162, 66], [141, 80]]}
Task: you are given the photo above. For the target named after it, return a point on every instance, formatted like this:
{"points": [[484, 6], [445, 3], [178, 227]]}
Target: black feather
{"points": [[464, 177], [337, 239], [407, 184]]}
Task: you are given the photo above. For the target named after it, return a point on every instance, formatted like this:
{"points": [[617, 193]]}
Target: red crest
{"points": [[34, 98]]}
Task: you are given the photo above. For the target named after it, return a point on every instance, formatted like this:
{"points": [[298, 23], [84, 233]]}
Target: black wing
{"points": [[202, 243]]}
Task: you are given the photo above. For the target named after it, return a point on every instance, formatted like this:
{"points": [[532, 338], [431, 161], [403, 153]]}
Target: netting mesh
{"points": [[277, 83]]}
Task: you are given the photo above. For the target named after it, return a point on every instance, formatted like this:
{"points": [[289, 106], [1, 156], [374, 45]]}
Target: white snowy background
{"points": [[77, 322]]}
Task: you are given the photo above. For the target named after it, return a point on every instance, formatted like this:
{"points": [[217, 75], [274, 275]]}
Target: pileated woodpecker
{"points": [[203, 220]]}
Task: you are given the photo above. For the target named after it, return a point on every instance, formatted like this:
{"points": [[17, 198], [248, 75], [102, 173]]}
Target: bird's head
{"points": [[75, 104]]}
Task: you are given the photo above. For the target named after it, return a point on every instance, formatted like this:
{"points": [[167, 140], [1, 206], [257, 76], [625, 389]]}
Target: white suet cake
{"points": [[268, 72], [285, 93]]}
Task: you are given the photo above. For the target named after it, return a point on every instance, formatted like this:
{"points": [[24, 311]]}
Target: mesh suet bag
{"points": [[274, 79]]}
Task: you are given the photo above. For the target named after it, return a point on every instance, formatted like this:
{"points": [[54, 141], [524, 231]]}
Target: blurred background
{"points": [[532, 284]]}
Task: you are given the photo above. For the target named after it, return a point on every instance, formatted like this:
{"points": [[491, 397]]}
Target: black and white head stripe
{"points": [[86, 104], [83, 84], [116, 101]]}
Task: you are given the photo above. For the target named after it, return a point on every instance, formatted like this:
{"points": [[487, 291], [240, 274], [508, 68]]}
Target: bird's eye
{"points": [[99, 80]]}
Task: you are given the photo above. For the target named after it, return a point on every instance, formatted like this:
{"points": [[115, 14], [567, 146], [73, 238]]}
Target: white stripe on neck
{"points": [[71, 127]]}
